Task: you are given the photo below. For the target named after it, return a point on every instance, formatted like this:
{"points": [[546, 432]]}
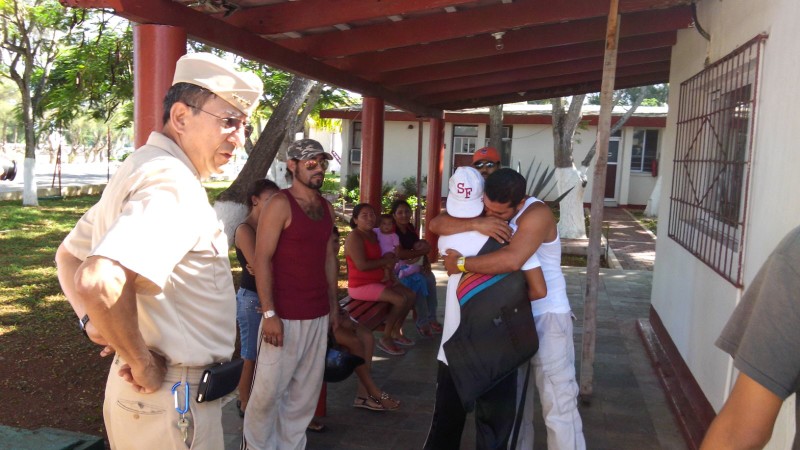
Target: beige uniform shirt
{"points": [[154, 218]]}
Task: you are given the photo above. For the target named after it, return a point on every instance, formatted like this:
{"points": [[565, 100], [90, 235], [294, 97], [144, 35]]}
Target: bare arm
{"points": [[354, 248], [274, 218], [332, 273], [245, 240], [422, 250], [108, 292], [67, 266], [445, 225], [534, 226], [537, 288], [747, 418]]}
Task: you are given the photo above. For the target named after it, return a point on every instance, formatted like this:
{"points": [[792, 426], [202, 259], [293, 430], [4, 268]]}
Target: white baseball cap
{"points": [[465, 199]]}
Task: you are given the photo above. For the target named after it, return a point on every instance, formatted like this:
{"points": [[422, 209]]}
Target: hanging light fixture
{"points": [[498, 40]]}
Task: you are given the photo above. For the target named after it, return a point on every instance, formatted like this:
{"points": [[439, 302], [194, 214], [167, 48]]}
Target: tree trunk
{"points": [[637, 101], [30, 195], [651, 210], [571, 224], [230, 204], [496, 127]]}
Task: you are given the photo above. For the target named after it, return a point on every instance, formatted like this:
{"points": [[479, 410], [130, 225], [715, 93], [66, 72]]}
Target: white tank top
{"points": [[549, 255]]}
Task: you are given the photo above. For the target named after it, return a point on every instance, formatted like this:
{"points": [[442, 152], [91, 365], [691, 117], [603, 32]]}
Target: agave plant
{"points": [[537, 184]]}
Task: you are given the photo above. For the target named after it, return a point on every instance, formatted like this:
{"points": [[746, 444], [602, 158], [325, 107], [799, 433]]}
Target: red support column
{"points": [[156, 49], [372, 152], [435, 169]]}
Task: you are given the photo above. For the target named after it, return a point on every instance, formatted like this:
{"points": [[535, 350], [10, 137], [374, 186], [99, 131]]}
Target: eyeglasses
{"points": [[311, 164], [482, 164], [230, 122]]}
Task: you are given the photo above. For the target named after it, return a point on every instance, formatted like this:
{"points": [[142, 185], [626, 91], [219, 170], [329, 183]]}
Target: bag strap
{"points": [[520, 409]]}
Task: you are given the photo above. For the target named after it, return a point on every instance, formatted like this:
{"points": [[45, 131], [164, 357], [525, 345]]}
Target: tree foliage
{"points": [[93, 76]]}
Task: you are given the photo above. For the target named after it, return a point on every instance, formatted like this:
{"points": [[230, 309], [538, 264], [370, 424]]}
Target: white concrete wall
{"points": [[529, 143], [692, 300]]}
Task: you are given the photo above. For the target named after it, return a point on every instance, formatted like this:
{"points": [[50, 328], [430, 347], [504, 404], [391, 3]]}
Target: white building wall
{"points": [[530, 143], [693, 301]]}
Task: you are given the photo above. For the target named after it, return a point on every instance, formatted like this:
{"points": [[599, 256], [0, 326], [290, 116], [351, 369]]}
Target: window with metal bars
{"points": [[713, 149]]}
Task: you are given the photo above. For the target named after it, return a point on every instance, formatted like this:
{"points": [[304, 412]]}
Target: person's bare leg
{"points": [[245, 381], [398, 311]]}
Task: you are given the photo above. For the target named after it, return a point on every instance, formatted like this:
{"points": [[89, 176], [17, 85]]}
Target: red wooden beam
{"points": [[623, 82], [535, 72], [532, 38], [298, 16], [535, 58], [248, 45], [543, 83], [439, 27]]}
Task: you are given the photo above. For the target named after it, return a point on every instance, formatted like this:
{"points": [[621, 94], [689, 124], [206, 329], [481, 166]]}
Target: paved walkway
{"points": [[628, 409], [632, 244]]}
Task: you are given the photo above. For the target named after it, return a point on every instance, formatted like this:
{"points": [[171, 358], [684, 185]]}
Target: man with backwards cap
{"points": [[296, 271], [146, 268], [486, 160]]}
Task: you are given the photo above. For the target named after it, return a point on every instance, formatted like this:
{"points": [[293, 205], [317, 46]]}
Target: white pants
{"points": [[150, 421], [554, 375], [286, 386]]}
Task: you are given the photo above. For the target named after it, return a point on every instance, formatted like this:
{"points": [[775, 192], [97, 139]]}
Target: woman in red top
{"points": [[365, 272]]}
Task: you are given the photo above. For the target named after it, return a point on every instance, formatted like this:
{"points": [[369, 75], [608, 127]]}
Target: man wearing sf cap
{"points": [[486, 160], [147, 269], [296, 272]]}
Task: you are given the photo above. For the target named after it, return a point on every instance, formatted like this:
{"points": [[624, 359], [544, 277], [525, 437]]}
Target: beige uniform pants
{"points": [[150, 421], [286, 387]]}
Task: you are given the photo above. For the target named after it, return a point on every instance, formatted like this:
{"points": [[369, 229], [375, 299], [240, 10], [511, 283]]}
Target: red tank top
{"points": [[355, 277], [300, 287]]}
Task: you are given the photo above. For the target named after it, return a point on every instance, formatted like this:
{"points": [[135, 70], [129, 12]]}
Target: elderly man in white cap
{"points": [[146, 268]]}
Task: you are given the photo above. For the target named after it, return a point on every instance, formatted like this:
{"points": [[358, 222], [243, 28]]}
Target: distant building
{"points": [[527, 138]]}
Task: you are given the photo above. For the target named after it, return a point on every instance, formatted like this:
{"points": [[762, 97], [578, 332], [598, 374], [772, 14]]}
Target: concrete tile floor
{"points": [[627, 410]]}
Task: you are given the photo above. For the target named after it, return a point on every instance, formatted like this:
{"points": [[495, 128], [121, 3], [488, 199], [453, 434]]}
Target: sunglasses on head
{"points": [[230, 122], [482, 164], [311, 164]]}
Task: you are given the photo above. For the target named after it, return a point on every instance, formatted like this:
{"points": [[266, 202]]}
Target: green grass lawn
{"points": [[29, 237]]}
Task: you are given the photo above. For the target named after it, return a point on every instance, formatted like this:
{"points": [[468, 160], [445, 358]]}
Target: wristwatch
{"points": [[82, 323], [460, 263], [269, 314]]}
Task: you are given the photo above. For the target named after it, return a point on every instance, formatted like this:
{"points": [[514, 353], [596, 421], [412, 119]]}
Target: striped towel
{"points": [[471, 284]]}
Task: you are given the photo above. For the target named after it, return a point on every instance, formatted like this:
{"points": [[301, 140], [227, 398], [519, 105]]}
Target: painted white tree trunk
{"points": [[30, 194], [231, 214], [651, 210], [571, 224], [277, 173]]}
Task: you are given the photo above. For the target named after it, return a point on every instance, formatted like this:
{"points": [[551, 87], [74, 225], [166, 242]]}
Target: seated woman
{"points": [[415, 250], [365, 272]]}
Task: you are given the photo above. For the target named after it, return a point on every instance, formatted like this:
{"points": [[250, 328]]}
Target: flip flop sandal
{"points": [[386, 349], [316, 427], [404, 341], [424, 331], [385, 397], [364, 402]]}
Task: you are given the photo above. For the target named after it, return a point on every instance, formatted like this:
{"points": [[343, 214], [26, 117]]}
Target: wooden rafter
{"points": [[531, 38], [293, 16], [434, 28]]}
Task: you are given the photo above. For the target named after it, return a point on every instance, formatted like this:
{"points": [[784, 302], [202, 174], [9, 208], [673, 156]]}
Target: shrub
{"points": [[353, 181]]}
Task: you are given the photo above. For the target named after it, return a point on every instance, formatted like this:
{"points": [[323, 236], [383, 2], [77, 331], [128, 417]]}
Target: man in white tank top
{"points": [[535, 232]]}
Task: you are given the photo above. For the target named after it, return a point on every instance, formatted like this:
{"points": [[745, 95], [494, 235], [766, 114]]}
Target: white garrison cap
{"points": [[240, 89]]}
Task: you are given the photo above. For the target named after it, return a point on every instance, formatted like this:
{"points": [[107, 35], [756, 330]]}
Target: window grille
{"points": [[713, 149]]}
